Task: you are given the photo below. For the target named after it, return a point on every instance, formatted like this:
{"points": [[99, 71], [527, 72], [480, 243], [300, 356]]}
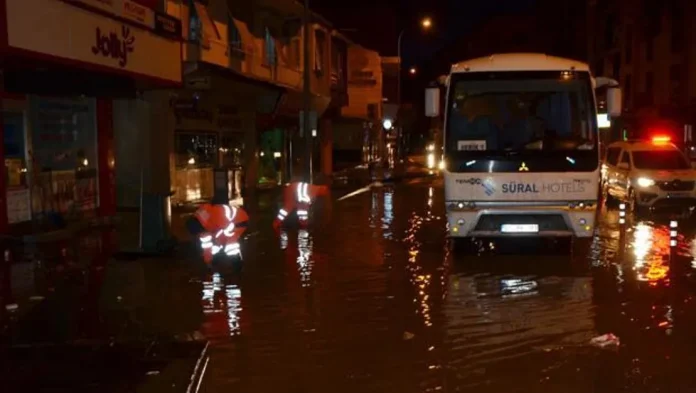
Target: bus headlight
{"points": [[645, 182], [431, 160], [431, 147]]}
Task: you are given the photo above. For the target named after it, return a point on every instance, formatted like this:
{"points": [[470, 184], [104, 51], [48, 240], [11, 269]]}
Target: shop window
{"points": [[18, 198], [196, 149], [64, 154], [319, 51], [270, 56], [231, 149], [234, 39], [14, 148]]}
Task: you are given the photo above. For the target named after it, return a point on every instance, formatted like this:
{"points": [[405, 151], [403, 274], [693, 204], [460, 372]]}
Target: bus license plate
{"points": [[520, 228]]}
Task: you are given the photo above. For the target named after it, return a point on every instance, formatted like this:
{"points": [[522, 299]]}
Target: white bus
{"points": [[521, 146]]}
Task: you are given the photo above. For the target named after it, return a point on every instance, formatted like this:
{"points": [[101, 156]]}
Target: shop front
{"points": [[283, 146], [213, 115], [58, 86]]}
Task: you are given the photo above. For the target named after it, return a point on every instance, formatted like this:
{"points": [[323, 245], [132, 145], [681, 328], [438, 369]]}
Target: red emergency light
{"points": [[661, 139]]}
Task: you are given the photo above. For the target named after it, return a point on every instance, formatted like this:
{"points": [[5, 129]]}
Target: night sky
{"points": [[377, 23]]}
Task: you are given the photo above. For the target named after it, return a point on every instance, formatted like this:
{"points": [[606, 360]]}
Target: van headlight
{"points": [[431, 147], [645, 182]]}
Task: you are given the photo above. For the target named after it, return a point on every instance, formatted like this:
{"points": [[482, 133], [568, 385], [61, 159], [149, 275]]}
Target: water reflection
{"points": [[388, 213], [304, 258], [420, 280], [222, 306], [651, 251]]}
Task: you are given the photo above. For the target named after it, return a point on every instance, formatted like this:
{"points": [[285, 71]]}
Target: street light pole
{"points": [[426, 23], [306, 93], [398, 75]]}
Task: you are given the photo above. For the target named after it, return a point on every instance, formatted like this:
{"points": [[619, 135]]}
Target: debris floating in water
{"points": [[606, 341]]}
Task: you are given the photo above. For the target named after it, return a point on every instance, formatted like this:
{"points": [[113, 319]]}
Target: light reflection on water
{"points": [[305, 263], [388, 213], [222, 306], [488, 323]]}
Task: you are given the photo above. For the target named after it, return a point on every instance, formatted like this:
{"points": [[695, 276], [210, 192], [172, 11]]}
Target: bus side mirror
{"points": [[432, 101], [614, 101]]}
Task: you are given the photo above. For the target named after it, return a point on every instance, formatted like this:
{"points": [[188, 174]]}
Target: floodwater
{"points": [[370, 299]]}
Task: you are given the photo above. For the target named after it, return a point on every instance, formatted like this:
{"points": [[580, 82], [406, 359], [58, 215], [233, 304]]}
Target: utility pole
{"points": [[307, 93]]}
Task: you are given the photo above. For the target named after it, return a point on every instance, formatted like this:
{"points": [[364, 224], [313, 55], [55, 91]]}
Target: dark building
{"points": [[647, 46]]}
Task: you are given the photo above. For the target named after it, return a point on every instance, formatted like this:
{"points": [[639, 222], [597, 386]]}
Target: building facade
{"points": [[60, 92], [358, 127], [241, 103], [154, 99], [647, 47]]}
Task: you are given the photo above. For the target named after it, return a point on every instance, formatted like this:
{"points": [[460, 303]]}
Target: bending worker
{"points": [[219, 228], [298, 197]]}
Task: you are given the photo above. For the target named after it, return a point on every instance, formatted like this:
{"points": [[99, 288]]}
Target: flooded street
{"points": [[376, 302], [370, 299]]}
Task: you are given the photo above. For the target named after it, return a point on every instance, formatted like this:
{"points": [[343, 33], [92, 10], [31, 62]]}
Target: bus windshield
{"points": [[497, 114]]}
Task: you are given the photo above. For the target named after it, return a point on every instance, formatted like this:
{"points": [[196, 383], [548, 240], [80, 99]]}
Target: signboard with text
{"points": [[127, 9], [92, 38]]}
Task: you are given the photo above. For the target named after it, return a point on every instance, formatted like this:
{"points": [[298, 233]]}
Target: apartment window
{"points": [[675, 83], [677, 38], [628, 49], [610, 32], [270, 56], [628, 87], [195, 25], [319, 51], [337, 57], [234, 39]]}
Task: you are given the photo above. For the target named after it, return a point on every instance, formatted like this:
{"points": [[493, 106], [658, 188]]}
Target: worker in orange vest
{"points": [[298, 197], [219, 228]]}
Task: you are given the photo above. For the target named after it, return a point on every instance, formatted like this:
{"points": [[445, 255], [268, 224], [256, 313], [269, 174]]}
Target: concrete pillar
{"points": [[144, 144], [129, 151], [326, 152]]}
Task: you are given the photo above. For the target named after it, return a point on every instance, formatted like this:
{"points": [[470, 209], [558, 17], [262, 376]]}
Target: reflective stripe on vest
{"points": [[302, 194]]}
